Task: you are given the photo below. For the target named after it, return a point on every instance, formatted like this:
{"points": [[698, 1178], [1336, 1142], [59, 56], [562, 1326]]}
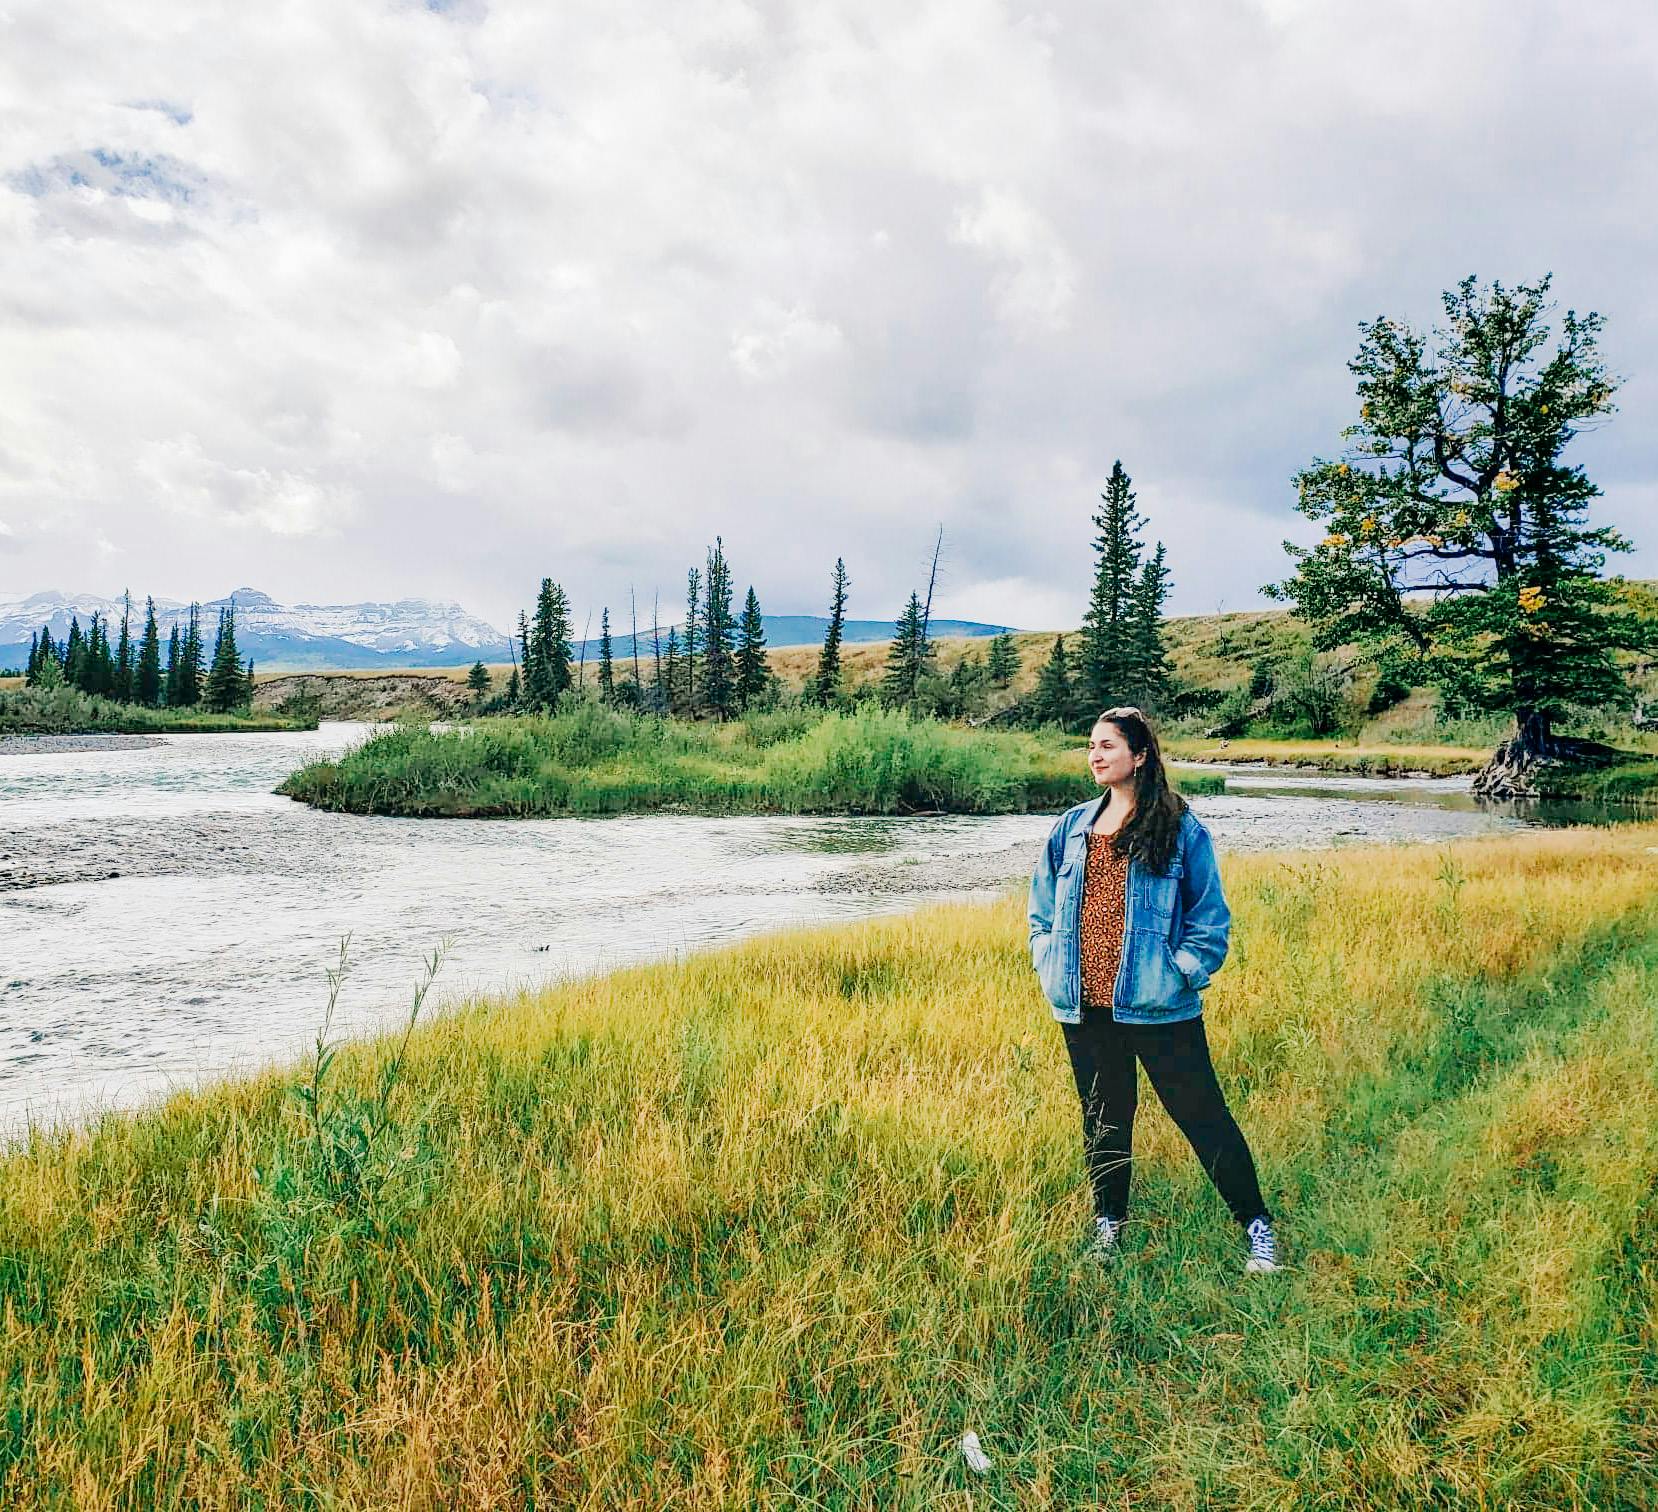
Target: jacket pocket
{"points": [[1048, 957]]}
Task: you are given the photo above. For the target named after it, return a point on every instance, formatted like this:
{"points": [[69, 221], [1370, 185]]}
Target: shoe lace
{"points": [[1262, 1245]]}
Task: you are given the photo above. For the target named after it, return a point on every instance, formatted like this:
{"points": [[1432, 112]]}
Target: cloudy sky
{"points": [[380, 300]]}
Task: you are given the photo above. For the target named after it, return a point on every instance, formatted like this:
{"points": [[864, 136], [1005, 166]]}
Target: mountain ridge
{"points": [[411, 632]]}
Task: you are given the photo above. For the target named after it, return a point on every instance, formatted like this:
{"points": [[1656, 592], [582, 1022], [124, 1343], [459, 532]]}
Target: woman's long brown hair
{"points": [[1151, 835]]}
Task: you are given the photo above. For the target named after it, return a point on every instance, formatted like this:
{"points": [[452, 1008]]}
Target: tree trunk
{"points": [[1521, 765]]}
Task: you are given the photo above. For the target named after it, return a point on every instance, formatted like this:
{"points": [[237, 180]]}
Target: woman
{"points": [[1127, 925]]}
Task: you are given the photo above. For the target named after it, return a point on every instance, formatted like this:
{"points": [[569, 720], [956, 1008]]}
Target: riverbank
{"points": [[69, 712], [1333, 756], [593, 760], [779, 1223]]}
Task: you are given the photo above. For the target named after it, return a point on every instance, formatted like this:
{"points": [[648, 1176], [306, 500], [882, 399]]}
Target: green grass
{"points": [[68, 711], [593, 760], [775, 1225], [1633, 780]]}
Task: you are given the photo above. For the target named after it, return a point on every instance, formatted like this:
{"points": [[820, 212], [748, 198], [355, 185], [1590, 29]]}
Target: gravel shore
{"points": [[34, 745]]}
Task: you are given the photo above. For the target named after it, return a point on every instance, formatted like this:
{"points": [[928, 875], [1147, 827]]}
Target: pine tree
{"points": [[169, 688], [909, 658], [248, 700], [670, 670], [478, 680], [752, 672], [719, 688], [1106, 664], [97, 665], [515, 692], [607, 664], [192, 666], [1150, 682], [121, 685], [48, 666], [547, 659], [34, 657], [1003, 663], [147, 682], [1054, 701], [690, 641], [532, 674], [74, 652], [659, 686], [226, 685], [826, 686]]}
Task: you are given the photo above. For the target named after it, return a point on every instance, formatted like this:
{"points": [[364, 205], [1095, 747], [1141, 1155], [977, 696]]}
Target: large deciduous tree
{"points": [[1455, 535]]}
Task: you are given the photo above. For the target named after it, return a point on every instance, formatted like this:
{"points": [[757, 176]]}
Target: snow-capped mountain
{"points": [[409, 633]]}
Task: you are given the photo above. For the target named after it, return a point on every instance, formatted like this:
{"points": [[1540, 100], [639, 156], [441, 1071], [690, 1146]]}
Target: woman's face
{"points": [[1109, 757]]}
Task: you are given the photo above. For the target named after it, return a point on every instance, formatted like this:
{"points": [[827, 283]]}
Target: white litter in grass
{"points": [[977, 1460]]}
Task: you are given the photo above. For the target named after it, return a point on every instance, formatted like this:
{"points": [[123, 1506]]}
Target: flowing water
{"points": [[165, 918]]}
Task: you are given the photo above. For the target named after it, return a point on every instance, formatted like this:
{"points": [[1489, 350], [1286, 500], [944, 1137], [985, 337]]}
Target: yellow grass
{"points": [[775, 1225]]}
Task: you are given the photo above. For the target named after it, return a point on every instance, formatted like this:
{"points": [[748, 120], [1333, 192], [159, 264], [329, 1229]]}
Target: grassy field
{"points": [[66, 711], [775, 1225], [593, 760]]}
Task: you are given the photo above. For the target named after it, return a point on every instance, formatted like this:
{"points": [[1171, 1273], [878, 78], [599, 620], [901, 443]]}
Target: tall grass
{"points": [[68, 711], [776, 1225], [593, 760]]}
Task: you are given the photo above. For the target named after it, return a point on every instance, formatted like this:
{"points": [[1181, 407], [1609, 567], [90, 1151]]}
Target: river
{"points": [[165, 918]]}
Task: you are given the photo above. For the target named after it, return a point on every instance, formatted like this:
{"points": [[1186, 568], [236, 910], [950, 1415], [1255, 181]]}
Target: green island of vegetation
{"points": [[777, 1224], [590, 759]]}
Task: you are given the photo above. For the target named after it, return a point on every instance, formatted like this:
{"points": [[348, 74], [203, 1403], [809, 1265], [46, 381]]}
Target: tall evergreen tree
{"points": [[192, 665], [826, 686], [248, 700], [1003, 662], [1150, 657], [226, 684], [752, 671], [478, 680], [122, 683], [1106, 664], [74, 652], [97, 665], [527, 648], [719, 687], [48, 664], [691, 641], [607, 664], [34, 657], [670, 671], [550, 676], [147, 682], [1054, 700], [169, 687], [515, 691], [659, 691], [909, 658]]}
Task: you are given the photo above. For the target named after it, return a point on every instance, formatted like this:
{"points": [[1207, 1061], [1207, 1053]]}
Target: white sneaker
{"points": [[1105, 1237], [1263, 1248]]}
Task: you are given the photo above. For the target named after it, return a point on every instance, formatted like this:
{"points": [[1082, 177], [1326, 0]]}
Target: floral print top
{"points": [[1104, 918]]}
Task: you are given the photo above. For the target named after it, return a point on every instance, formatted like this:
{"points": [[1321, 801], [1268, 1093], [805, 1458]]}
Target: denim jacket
{"points": [[1176, 931]]}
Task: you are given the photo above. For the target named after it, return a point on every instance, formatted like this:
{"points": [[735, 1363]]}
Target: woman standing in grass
{"points": [[1127, 924]]}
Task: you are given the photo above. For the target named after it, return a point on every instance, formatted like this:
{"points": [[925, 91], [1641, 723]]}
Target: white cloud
{"points": [[572, 289]]}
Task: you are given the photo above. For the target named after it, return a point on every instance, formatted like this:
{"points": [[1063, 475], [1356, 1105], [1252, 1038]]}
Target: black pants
{"points": [[1176, 1058]]}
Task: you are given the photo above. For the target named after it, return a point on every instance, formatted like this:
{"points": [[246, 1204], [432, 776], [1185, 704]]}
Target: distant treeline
{"points": [[131, 671], [714, 665]]}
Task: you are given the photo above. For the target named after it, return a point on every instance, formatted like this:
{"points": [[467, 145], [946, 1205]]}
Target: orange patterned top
{"points": [[1104, 918]]}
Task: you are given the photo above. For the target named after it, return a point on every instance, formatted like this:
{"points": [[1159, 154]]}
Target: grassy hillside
{"points": [[776, 1225]]}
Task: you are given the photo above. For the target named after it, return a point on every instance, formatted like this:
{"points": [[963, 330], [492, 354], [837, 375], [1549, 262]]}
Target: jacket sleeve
{"points": [[1206, 921], [1041, 908]]}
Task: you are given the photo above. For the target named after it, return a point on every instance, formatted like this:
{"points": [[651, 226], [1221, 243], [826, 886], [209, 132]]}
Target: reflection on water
{"points": [[164, 916]]}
